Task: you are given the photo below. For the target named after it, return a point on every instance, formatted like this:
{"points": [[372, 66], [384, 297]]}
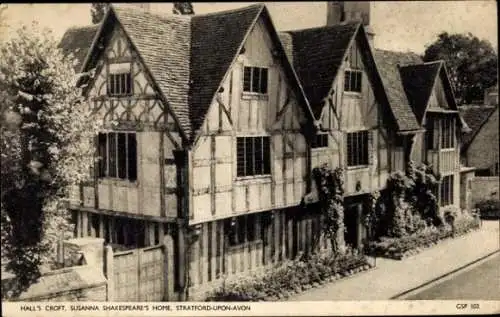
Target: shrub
{"points": [[396, 247], [289, 277], [489, 208]]}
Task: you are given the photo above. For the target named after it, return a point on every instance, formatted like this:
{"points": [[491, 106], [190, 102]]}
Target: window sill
{"points": [[320, 149], [451, 149], [118, 182], [358, 167], [352, 94], [254, 96], [261, 179]]}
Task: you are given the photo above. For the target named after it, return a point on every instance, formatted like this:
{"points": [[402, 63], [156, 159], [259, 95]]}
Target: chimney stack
{"points": [[346, 11]]}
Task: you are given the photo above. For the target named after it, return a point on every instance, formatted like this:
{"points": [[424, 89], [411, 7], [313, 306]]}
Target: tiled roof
{"points": [[475, 117], [215, 41], [388, 63], [418, 82], [317, 56], [77, 40], [164, 44]]}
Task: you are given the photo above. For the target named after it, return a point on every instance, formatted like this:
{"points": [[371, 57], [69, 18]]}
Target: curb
{"points": [[403, 295]]}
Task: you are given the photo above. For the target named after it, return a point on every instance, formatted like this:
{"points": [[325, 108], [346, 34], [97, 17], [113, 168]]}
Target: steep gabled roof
{"points": [[163, 43], [418, 82], [475, 117], [388, 63], [188, 57], [317, 56], [77, 40], [215, 42]]}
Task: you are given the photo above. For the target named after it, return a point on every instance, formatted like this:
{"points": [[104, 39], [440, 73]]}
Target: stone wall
{"points": [[484, 188], [82, 278]]}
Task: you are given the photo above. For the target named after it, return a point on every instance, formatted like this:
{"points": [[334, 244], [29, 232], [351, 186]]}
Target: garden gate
{"points": [[140, 274]]}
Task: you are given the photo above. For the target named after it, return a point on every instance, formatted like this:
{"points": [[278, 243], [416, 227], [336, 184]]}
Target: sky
{"points": [[398, 26]]}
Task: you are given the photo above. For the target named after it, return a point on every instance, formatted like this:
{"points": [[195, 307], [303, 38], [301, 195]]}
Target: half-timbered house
{"points": [[213, 124]]}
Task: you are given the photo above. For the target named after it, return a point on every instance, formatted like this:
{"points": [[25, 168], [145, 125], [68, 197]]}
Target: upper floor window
{"points": [[119, 80], [447, 133], [253, 156], [118, 155], [447, 191], [352, 81], [357, 148], [255, 80], [320, 140]]}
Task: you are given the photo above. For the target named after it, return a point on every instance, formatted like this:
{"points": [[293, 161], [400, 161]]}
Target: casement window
{"points": [[352, 80], [119, 80], [357, 148], [255, 80], [242, 230], [118, 155], [320, 140], [253, 156], [447, 190], [429, 136], [447, 133]]}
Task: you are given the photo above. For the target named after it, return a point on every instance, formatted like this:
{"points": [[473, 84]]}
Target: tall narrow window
{"points": [[429, 135], [447, 191], [352, 80], [253, 156], [119, 80], [118, 155], [255, 80], [447, 133], [357, 148]]}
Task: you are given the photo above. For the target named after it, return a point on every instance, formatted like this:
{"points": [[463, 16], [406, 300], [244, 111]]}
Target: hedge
{"points": [[399, 248], [289, 278]]}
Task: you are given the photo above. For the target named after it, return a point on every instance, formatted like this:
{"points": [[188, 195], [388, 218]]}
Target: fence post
{"points": [[108, 272], [168, 267]]}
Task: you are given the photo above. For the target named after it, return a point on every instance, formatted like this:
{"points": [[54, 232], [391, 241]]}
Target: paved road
{"points": [[480, 282], [392, 278]]}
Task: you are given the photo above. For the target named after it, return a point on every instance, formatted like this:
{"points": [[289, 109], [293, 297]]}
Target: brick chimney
{"points": [[144, 6], [345, 11]]}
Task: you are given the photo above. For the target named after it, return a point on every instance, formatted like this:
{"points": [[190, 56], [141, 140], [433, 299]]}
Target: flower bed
{"points": [[290, 278], [400, 248]]}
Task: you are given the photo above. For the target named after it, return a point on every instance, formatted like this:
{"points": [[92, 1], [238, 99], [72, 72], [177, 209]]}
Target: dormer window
{"points": [[119, 80], [255, 80], [352, 81]]}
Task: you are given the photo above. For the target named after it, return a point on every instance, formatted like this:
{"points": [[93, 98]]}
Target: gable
{"points": [[438, 98], [215, 41], [143, 107], [317, 56], [279, 108]]}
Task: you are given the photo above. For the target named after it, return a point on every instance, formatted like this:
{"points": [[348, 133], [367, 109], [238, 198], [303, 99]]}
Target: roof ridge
{"points": [[324, 27], [162, 15], [260, 5], [76, 27]]}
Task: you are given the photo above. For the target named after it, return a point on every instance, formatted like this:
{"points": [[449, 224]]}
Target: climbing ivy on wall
{"points": [[330, 185]]}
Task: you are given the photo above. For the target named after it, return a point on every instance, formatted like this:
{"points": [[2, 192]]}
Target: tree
{"points": [[471, 63], [183, 8], [98, 10], [46, 140]]}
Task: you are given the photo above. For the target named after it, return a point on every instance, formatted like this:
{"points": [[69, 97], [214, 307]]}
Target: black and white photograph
{"points": [[249, 158]]}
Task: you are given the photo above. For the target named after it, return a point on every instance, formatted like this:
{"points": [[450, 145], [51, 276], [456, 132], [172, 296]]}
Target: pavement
{"points": [[392, 278]]}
